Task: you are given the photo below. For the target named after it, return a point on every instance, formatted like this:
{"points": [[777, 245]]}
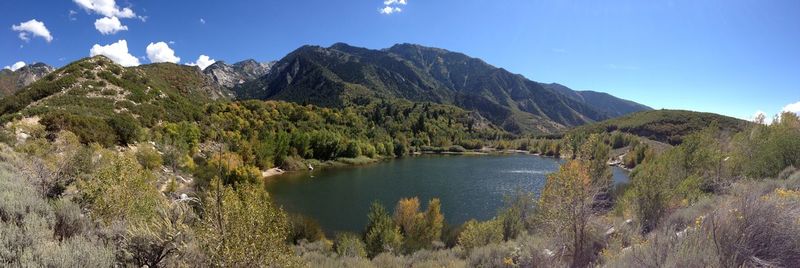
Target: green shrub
{"points": [[148, 157], [304, 228], [349, 245], [126, 127], [477, 234], [382, 235]]}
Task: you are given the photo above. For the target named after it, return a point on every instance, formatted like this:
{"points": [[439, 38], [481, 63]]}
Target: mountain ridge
{"points": [[342, 75], [12, 81]]}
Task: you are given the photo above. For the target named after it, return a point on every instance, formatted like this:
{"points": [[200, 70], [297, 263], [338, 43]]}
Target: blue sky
{"points": [[733, 57]]}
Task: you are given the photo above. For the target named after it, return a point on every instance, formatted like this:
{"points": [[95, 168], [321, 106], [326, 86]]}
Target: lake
{"points": [[469, 186]]}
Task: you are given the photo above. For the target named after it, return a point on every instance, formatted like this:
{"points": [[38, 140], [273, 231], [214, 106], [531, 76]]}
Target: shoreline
{"points": [[362, 160]]}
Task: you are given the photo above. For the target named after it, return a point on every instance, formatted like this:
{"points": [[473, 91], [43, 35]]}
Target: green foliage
{"points": [[517, 214], [126, 127], [242, 228], [567, 205], [231, 169], [148, 157], [160, 239], [350, 245], [477, 234], [668, 126], [88, 129], [37, 233], [120, 189], [304, 228], [420, 229], [764, 151], [382, 235]]}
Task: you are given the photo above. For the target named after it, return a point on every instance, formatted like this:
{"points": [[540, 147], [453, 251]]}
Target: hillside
{"points": [[12, 81], [668, 126], [96, 98], [343, 75], [603, 102]]}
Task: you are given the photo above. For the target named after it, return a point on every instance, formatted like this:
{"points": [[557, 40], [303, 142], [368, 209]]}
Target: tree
{"points": [[405, 215], [420, 229], [382, 235], [566, 207], [241, 227], [478, 234], [433, 223], [517, 214]]}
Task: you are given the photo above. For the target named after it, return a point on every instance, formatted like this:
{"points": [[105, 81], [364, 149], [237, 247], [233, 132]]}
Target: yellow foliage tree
{"points": [[566, 207]]}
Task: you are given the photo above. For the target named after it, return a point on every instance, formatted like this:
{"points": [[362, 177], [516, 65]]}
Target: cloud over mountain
{"points": [[117, 52]]}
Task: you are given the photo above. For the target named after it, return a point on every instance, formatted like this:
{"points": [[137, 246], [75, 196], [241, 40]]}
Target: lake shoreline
{"points": [[363, 160]]}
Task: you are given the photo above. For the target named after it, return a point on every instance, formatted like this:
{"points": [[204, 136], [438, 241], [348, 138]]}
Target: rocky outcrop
{"points": [[228, 75], [13, 81]]}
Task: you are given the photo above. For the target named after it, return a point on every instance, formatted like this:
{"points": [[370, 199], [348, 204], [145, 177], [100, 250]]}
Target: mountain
{"points": [[600, 101], [228, 76], [343, 75], [94, 96], [11, 81], [668, 126]]}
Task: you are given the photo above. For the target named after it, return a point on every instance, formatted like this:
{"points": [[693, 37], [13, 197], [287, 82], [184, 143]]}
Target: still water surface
{"points": [[470, 187]]}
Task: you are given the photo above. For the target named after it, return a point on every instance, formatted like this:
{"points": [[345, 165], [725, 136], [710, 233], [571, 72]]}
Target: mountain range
{"points": [[337, 76], [342, 75]]}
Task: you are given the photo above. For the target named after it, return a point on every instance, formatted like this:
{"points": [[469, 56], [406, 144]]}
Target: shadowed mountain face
{"points": [[343, 75], [228, 75], [603, 102], [12, 81]]}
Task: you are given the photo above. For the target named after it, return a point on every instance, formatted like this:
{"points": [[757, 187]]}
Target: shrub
{"points": [[457, 149], [120, 189], [165, 236], [148, 157], [477, 234], [755, 230], [382, 235], [304, 228], [243, 228], [349, 245], [126, 127], [69, 221]]}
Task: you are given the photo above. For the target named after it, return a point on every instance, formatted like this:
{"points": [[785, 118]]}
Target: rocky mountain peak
{"points": [[12, 81], [230, 75]]}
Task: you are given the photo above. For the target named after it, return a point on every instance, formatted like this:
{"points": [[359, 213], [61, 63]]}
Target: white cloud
{"points": [[72, 14], [33, 26], [117, 52], [109, 25], [390, 6], [160, 52], [106, 8], [15, 66], [390, 10], [792, 107], [394, 2], [203, 61], [203, 21]]}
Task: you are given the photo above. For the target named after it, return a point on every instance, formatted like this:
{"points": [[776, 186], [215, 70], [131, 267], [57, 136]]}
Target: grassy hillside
{"points": [[668, 126], [98, 99]]}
